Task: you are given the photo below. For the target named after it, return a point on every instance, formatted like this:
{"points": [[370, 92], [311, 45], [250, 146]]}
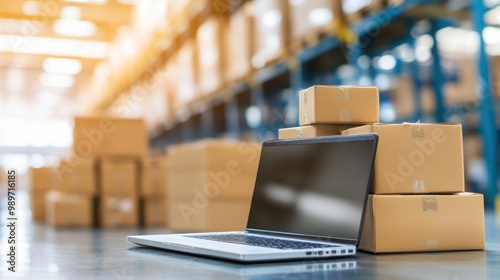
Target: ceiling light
{"points": [[57, 80], [62, 66], [53, 46], [74, 28], [71, 13], [30, 8]]}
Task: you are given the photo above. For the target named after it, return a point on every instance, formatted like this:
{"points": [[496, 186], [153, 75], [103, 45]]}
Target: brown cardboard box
{"points": [[154, 178], [118, 211], [37, 204], [43, 178], [188, 214], [315, 130], [271, 31], [338, 105], [119, 176], [109, 137], [154, 212], [186, 73], [69, 209], [417, 158], [239, 44], [312, 16], [78, 177], [423, 223], [242, 157], [211, 54]]}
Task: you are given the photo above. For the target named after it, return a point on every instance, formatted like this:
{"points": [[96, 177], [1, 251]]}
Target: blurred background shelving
{"points": [[173, 64]]}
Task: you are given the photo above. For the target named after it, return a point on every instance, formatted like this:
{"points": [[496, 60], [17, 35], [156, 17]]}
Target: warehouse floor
{"points": [[98, 254]]}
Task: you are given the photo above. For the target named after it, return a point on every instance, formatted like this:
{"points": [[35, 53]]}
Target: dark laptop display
{"points": [[312, 189]]}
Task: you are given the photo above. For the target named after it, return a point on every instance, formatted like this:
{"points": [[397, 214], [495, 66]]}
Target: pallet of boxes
{"points": [[417, 201], [99, 181]]}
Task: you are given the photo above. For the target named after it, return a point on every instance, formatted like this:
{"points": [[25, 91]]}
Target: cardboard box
{"points": [[118, 211], [77, 177], [417, 158], [313, 16], [271, 31], [188, 215], [356, 10], [119, 176], [338, 105], [186, 73], [154, 212], [69, 209], [423, 223], [315, 130], [109, 137], [239, 44], [211, 54], [43, 178], [37, 204], [154, 178], [240, 156]]}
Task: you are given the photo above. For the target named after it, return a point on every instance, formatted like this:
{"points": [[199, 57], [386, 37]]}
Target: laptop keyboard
{"points": [[263, 241]]}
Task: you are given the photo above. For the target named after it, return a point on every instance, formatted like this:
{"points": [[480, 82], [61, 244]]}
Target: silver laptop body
{"points": [[308, 202]]}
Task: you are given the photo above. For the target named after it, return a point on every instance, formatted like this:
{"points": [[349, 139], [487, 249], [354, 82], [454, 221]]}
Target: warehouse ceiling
{"points": [[48, 50]]}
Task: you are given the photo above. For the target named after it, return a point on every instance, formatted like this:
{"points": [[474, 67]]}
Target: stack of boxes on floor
{"points": [[154, 191], [417, 201], [42, 181], [210, 184]]}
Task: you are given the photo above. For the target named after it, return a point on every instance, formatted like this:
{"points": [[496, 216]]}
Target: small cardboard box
{"points": [[69, 209], [154, 178], [423, 223], [314, 130], [417, 158], [78, 177], [118, 176], [338, 105], [118, 211], [188, 215], [109, 137], [154, 211]]}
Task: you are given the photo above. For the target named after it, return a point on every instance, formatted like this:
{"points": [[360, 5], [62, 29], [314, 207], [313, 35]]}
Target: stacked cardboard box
{"points": [[417, 200], [327, 110], [154, 192], [210, 184], [42, 180]]}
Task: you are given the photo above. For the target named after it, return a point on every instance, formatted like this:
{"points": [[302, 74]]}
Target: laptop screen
{"points": [[313, 187]]}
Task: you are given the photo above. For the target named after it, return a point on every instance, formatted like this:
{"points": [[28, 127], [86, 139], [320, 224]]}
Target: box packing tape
{"points": [[344, 93], [432, 245], [429, 203], [300, 132], [306, 119], [345, 115], [419, 186]]}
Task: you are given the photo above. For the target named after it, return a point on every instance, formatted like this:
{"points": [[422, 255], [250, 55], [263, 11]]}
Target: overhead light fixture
{"points": [[53, 46], [71, 13], [57, 80], [62, 66], [74, 28]]}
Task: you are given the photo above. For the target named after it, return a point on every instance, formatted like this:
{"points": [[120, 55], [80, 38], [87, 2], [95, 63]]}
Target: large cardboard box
{"points": [[37, 204], [109, 137], [417, 158], [154, 211], [69, 209], [118, 211], [154, 177], [338, 105], [78, 177], [211, 54], [313, 16], [186, 73], [423, 223], [315, 130], [239, 43], [119, 176], [43, 178], [271, 31], [188, 214]]}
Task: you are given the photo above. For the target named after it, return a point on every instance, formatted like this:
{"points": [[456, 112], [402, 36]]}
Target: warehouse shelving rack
{"points": [[223, 113]]}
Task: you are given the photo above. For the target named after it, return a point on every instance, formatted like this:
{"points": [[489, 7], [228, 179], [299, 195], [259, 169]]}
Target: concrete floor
{"points": [[46, 253]]}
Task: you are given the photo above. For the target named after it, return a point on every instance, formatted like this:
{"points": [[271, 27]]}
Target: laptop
{"points": [[308, 202]]}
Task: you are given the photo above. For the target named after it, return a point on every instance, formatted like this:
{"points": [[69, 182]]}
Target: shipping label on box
{"points": [[338, 105], [188, 214], [154, 178], [119, 176], [118, 211], [423, 223], [109, 137], [69, 209], [417, 158], [309, 131]]}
